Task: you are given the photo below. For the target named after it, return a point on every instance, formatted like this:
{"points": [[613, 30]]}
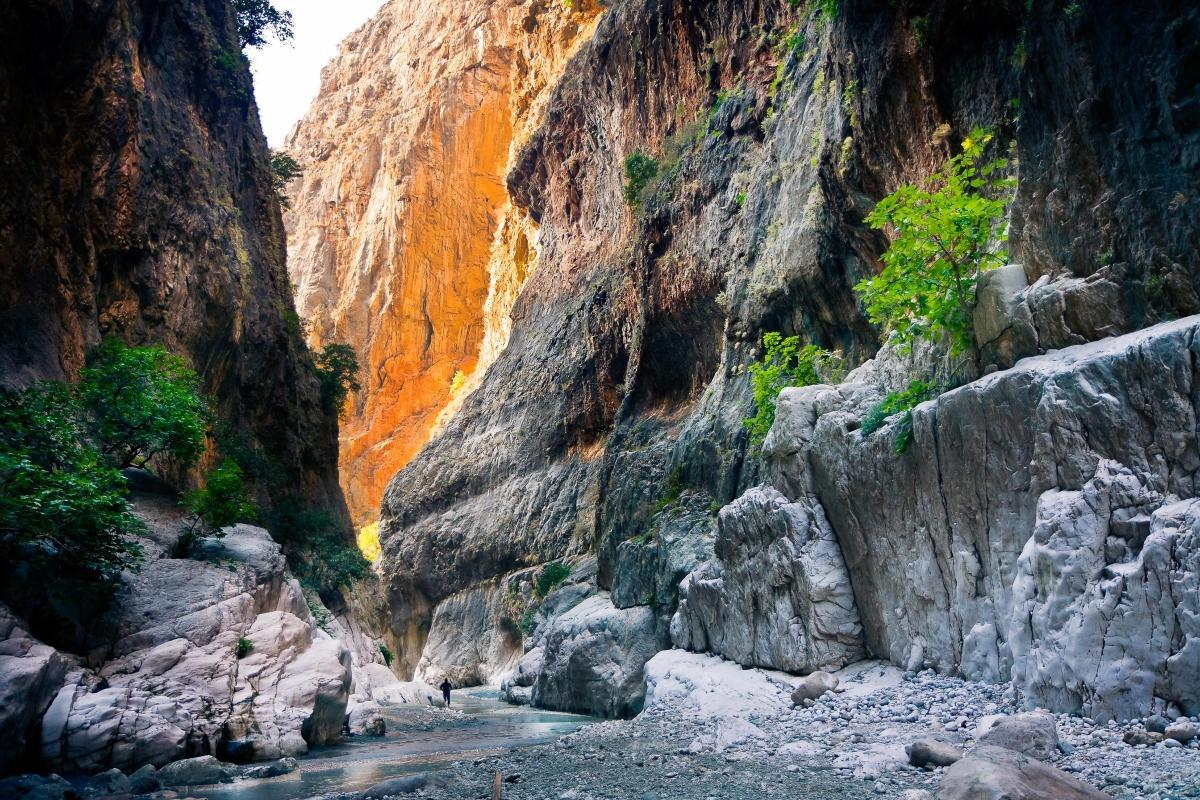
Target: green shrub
{"points": [[143, 402], [255, 18], [640, 169], [387, 654], [785, 363], [244, 646], [551, 575], [896, 403], [284, 170], [320, 555], [943, 233], [528, 619], [222, 501], [337, 372], [57, 492]]}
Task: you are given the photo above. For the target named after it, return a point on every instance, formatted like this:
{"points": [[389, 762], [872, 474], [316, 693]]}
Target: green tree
{"points": [[58, 493], [785, 363], [945, 231], [284, 170], [640, 169], [222, 501], [320, 554], [258, 18], [143, 402], [337, 371]]}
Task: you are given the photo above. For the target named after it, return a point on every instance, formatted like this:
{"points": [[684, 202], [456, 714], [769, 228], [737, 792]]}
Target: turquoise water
{"points": [[418, 739]]}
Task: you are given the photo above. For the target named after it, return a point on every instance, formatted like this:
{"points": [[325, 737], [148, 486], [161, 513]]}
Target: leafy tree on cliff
{"points": [[785, 363], [143, 402], [947, 230], [284, 170], [256, 19], [61, 502], [337, 371], [222, 501]]}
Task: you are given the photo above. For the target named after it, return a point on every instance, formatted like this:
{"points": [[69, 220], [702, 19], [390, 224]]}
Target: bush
{"points": [[943, 230], [387, 654], [255, 18], [312, 537], [640, 169], [61, 503], [551, 575], [222, 501], [244, 646], [337, 371], [896, 403], [785, 363], [143, 402], [284, 170]]}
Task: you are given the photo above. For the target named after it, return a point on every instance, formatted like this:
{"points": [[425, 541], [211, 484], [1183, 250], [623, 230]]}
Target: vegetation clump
{"points": [[785, 363], [337, 372], [551, 576], [244, 646], [322, 558], [386, 652], [257, 19], [221, 502], [902, 402], [640, 169], [946, 232], [284, 170]]}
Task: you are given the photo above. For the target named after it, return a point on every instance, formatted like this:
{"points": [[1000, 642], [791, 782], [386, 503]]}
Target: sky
{"points": [[287, 75]]}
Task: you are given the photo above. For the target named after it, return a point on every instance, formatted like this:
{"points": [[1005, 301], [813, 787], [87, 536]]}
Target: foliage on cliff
{"points": [[337, 371], [947, 231], [785, 363]]}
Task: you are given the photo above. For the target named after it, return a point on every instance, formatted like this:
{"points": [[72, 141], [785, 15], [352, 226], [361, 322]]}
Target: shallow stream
{"points": [[418, 739]]}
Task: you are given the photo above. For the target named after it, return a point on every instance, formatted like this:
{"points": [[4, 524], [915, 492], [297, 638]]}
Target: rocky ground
{"points": [[713, 730]]}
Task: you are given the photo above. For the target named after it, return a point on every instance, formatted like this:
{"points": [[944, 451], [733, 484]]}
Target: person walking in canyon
{"points": [[445, 687]]}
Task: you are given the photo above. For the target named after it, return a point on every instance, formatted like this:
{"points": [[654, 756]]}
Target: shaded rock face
{"points": [[401, 239], [138, 202], [623, 379], [1041, 526], [30, 675], [171, 683], [777, 595]]}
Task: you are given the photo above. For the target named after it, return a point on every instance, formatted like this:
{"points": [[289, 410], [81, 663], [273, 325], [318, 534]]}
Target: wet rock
{"points": [[988, 772], [1034, 734], [144, 780], [111, 781], [1156, 723], [196, 772], [1141, 738], [932, 753], [284, 766], [37, 787], [396, 786], [595, 659]]}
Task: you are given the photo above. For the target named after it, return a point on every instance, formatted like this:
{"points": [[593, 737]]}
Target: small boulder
{"points": [[406, 785], [1182, 731], [1157, 723], [283, 766], [144, 780], [196, 772], [111, 781], [1139, 738], [998, 772], [813, 686], [1033, 734], [366, 719], [932, 753]]}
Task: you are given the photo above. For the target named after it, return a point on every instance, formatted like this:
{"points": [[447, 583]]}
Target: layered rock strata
{"points": [[402, 241]]}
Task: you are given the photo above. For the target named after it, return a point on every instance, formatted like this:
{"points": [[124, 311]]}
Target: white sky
{"points": [[287, 76]]}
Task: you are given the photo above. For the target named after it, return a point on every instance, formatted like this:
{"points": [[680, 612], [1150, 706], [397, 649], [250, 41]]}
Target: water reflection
{"points": [[417, 740]]}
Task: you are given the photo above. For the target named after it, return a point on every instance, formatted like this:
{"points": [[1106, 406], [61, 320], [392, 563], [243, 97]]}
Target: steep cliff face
{"points": [[401, 238], [612, 420], [136, 201]]}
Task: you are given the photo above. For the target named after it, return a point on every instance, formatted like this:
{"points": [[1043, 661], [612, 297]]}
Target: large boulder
{"points": [[777, 595], [595, 657], [196, 772], [997, 773], [1033, 734], [30, 676]]}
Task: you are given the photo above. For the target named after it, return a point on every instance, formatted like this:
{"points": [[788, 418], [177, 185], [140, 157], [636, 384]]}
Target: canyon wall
{"points": [[402, 241], [137, 202], [611, 422]]}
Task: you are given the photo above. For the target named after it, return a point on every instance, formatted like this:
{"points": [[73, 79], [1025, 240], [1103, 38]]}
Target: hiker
{"points": [[445, 687]]}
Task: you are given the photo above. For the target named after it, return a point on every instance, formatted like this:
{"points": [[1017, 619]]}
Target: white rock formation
{"points": [[178, 688], [777, 595], [30, 674]]}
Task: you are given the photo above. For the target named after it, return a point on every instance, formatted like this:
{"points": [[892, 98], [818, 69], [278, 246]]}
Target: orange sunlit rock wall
{"points": [[401, 240]]}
